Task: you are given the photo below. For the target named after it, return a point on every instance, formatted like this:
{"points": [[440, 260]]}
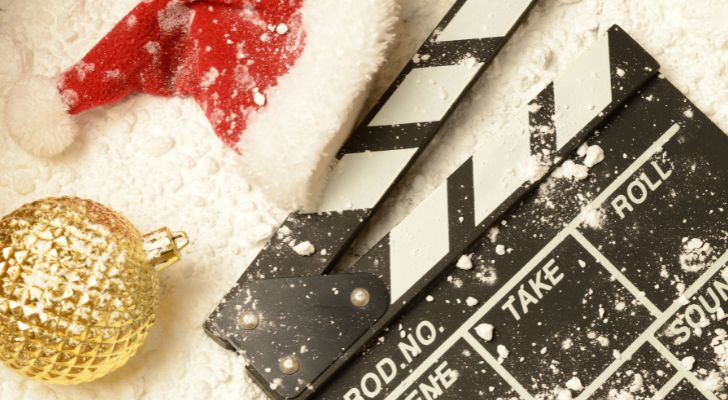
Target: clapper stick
{"points": [[506, 166], [502, 170], [386, 143]]}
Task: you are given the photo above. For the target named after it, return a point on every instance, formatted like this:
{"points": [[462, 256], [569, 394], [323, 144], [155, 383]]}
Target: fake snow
{"points": [[485, 331], [594, 218], [713, 382], [456, 282], [532, 169], [486, 275], [493, 234], [696, 255], [83, 69], [503, 352], [282, 29], [210, 78], [594, 155], [152, 47], [720, 349], [688, 362], [131, 20], [564, 394], [569, 169], [304, 248], [175, 16], [465, 262], [574, 384]]}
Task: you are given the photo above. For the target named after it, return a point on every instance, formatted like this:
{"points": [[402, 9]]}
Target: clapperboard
{"points": [[581, 254]]}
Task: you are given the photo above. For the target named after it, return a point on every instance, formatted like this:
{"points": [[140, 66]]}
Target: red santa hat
{"points": [[281, 81]]}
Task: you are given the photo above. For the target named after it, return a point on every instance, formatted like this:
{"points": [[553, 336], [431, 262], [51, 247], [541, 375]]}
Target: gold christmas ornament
{"points": [[78, 288]]}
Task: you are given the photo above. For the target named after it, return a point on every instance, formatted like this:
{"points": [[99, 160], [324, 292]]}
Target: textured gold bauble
{"points": [[78, 288]]}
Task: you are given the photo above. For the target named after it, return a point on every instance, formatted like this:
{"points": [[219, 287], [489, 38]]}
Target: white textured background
{"points": [[158, 162]]}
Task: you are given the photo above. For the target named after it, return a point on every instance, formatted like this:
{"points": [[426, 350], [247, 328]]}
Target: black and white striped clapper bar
{"points": [[487, 278]]}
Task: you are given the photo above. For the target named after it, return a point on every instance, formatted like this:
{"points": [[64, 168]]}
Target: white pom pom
{"points": [[37, 117]]}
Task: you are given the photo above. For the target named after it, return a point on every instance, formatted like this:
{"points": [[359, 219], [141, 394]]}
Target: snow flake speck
{"points": [[304, 248], [131, 21], [282, 29], [210, 78], [688, 362], [503, 352], [175, 16], [574, 384], [696, 254], [485, 331], [594, 155], [465, 262], [152, 47], [83, 69]]}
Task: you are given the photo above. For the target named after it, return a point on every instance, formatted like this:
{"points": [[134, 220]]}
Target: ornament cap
{"points": [[163, 247]]}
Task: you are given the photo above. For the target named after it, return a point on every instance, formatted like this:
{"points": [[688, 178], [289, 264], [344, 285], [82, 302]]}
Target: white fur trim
{"points": [[288, 146], [37, 117]]}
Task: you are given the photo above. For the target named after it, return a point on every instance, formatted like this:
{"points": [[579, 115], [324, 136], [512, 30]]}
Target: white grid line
{"points": [[654, 327], [510, 379], [638, 294], [669, 386], [681, 368]]}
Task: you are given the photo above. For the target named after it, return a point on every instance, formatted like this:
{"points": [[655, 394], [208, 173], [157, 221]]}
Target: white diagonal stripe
{"points": [[418, 242], [496, 163], [359, 180], [425, 94], [483, 19], [582, 91]]}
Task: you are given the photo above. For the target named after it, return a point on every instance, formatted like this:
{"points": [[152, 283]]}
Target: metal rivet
{"points": [[360, 297], [289, 365], [249, 320]]}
